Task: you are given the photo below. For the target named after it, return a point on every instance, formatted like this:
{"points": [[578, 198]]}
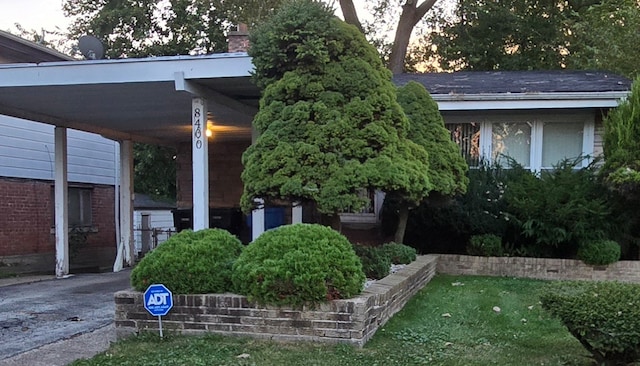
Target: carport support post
{"points": [[200, 161], [296, 213], [126, 199], [61, 203]]}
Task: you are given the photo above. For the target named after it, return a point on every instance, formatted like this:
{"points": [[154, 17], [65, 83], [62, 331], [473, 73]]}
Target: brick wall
{"points": [[27, 242], [352, 321], [225, 167], [540, 268]]}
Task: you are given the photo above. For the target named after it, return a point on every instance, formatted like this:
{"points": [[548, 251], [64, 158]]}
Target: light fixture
{"points": [[209, 131]]}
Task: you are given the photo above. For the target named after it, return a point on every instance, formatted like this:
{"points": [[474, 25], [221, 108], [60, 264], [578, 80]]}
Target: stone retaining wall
{"points": [[351, 321], [540, 268]]}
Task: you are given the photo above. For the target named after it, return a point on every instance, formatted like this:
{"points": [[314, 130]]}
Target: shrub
{"points": [[375, 263], [190, 263], [599, 252], [560, 209], [297, 265], [487, 245], [398, 253], [604, 317]]}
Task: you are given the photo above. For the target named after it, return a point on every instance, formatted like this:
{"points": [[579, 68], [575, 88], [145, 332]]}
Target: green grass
{"points": [[520, 334]]}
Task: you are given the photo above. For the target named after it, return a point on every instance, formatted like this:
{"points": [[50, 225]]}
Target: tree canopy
{"points": [[536, 34], [329, 121]]}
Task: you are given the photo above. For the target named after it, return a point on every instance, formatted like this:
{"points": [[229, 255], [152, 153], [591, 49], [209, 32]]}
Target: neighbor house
{"points": [[536, 117], [27, 241]]}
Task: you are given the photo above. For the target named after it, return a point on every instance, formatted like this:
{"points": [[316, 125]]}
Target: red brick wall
{"points": [[225, 167], [26, 223]]}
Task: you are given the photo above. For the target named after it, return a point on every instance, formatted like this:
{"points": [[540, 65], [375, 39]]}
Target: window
{"points": [[535, 141], [79, 207], [511, 140], [467, 136], [561, 140]]}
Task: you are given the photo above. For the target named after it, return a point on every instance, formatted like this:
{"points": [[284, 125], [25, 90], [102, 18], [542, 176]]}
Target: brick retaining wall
{"points": [[540, 268], [351, 321]]}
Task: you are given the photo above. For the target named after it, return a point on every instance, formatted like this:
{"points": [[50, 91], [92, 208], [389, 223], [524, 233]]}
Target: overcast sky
{"points": [[32, 14]]}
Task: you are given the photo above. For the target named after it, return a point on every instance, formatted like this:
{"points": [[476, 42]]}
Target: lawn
{"points": [[452, 321]]}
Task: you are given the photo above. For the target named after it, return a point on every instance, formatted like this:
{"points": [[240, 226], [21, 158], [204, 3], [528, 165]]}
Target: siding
{"points": [[159, 219], [27, 151]]}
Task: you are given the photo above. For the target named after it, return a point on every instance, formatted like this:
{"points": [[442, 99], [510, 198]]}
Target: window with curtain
{"points": [[560, 141], [467, 136]]}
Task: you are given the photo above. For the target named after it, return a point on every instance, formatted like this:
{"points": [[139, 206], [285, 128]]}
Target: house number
{"points": [[197, 131]]}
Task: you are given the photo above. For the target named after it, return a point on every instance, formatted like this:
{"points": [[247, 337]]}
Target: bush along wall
{"points": [[552, 214], [603, 316]]}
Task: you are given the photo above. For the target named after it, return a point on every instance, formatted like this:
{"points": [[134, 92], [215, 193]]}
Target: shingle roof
{"points": [[143, 201], [490, 82]]}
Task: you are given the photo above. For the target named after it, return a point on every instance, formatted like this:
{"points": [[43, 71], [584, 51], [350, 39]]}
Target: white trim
{"points": [[126, 201], [514, 101], [257, 220], [137, 70], [200, 164], [588, 141]]}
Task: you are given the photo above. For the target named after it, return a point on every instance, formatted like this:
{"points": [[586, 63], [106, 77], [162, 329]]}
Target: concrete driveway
{"points": [[36, 314]]}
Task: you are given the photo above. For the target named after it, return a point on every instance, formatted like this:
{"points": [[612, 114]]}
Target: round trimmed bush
{"points": [[375, 263], [297, 265], [190, 262], [599, 252], [399, 253], [486, 245]]}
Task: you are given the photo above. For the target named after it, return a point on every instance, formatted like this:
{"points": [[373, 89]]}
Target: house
{"points": [[152, 222], [27, 241], [536, 117]]}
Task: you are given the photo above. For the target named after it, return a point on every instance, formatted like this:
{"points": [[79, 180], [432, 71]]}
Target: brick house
{"points": [[27, 243], [535, 116]]}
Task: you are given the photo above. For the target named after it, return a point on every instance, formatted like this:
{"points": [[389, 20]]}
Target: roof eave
{"points": [[492, 101]]}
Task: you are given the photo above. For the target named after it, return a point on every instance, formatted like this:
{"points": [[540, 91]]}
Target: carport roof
{"points": [[140, 99]]}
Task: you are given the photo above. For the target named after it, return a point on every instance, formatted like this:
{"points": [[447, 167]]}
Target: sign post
{"points": [[158, 300]]}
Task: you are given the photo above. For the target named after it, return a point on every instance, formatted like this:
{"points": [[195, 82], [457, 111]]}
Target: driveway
{"points": [[36, 314]]}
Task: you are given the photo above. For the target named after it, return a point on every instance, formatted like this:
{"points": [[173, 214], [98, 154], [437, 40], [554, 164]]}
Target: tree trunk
{"points": [[410, 16], [403, 217], [332, 221], [349, 13]]}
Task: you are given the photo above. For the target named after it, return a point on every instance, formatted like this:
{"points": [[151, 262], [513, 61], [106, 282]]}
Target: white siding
{"points": [[27, 151], [159, 219]]}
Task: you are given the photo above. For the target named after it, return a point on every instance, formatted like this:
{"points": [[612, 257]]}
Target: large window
{"points": [[511, 140], [536, 142]]}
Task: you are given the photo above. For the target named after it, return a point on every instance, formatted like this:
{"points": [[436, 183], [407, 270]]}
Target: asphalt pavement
{"points": [[52, 322]]}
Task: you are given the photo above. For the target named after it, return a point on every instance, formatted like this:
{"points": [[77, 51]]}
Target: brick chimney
{"points": [[239, 39]]}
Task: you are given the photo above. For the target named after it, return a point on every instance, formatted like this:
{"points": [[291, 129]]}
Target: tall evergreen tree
{"points": [[329, 122], [447, 167]]}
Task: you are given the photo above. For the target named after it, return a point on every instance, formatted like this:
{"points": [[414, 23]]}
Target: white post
{"points": [[126, 201], [296, 213], [61, 203], [257, 220], [200, 164]]}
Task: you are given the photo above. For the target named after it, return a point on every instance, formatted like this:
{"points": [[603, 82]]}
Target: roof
{"points": [[17, 49], [494, 82], [142, 201], [506, 90]]}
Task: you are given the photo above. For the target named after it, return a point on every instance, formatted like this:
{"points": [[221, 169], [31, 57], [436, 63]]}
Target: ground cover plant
{"points": [[451, 321]]}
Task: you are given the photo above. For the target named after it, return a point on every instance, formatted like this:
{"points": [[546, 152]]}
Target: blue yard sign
{"points": [[158, 300]]}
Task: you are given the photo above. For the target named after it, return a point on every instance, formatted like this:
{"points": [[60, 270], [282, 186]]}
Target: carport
{"points": [[161, 100]]}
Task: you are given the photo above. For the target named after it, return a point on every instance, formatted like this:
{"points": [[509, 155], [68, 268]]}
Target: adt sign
{"points": [[158, 300]]}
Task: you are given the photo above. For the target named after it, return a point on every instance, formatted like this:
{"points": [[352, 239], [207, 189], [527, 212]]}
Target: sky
{"points": [[32, 14], [38, 14]]}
